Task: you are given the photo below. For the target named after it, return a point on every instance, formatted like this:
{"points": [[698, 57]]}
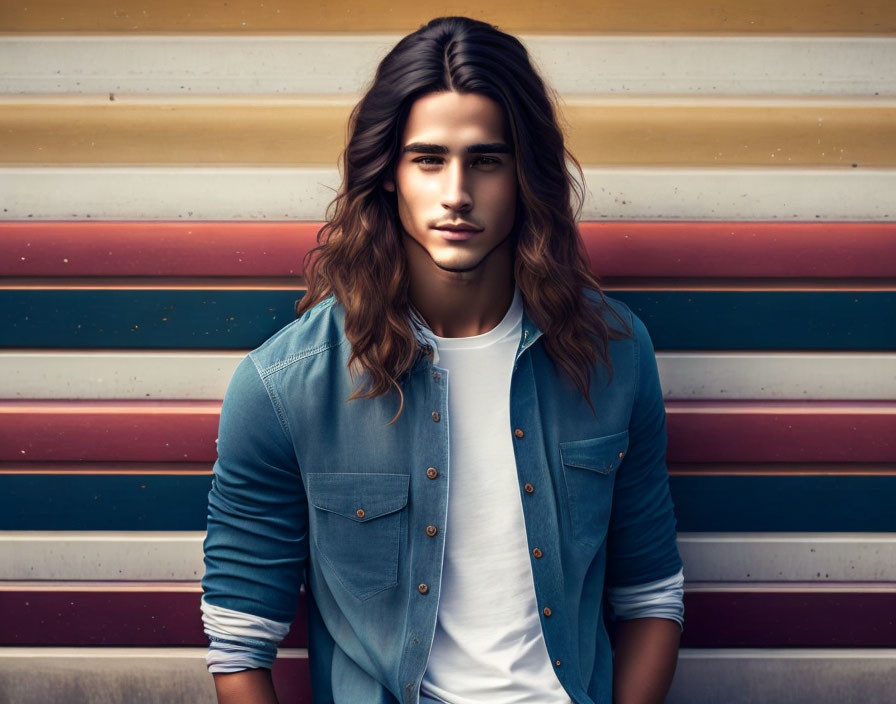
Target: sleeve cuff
{"points": [[661, 599], [240, 641]]}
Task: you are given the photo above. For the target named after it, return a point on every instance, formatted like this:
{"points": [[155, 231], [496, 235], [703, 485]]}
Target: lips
{"points": [[459, 227], [458, 233]]}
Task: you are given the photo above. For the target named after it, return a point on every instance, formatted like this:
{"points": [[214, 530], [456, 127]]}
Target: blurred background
{"points": [[165, 165]]}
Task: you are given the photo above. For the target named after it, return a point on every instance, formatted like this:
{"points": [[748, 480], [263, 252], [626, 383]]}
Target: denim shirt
{"points": [[310, 487]]}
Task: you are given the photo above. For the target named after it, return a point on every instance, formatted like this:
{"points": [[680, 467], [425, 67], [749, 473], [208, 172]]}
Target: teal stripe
{"points": [[226, 319], [703, 503]]}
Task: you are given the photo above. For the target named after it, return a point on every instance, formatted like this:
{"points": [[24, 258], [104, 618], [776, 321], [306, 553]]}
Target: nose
{"points": [[456, 194]]}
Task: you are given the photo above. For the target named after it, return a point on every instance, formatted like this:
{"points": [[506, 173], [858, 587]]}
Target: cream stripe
{"points": [[583, 16], [244, 193], [344, 64], [307, 132], [709, 558], [684, 375]]}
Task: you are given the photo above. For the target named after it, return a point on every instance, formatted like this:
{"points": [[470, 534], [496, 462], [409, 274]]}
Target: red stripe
{"points": [[754, 431], [810, 617], [185, 431], [617, 249]]}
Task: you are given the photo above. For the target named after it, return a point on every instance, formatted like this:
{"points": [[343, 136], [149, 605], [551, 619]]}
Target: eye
{"points": [[428, 161], [486, 162]]}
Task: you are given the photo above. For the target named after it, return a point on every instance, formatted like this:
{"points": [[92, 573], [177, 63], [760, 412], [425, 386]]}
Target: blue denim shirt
{"points": [[311, 487]]}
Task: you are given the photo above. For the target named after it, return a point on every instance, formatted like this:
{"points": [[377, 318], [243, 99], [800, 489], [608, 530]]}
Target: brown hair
{"points": [[360, 258]]}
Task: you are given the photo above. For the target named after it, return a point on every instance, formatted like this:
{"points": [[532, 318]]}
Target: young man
{"points": [[459, 446]]}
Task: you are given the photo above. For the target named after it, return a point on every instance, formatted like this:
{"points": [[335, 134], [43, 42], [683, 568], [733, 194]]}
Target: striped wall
{"points": [[164, 167]]}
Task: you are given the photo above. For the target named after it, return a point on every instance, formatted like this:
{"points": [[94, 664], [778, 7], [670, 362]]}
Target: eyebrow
{"points": [[422, 148]]}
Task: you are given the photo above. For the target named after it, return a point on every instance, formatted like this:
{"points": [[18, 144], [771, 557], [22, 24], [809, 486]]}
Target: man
{"points": [[459, 446]]}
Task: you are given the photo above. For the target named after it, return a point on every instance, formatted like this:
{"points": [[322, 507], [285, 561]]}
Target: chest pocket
{"points": [[356, 525], [589, 467]]}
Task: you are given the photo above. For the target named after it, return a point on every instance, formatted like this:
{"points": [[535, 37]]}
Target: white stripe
{"points": [[708, 557], [244, 193], [161, 653], [191, 64], [684, 375]]}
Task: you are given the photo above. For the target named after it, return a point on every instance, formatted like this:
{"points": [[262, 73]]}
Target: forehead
{"points": [[452, 118]]}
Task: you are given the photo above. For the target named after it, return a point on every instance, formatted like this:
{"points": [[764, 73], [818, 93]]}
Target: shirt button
{"points": [[557, 663], [528, 488], [432, 472], [547, 611], [431, 531], [360, 513], [519, 433], [537, 553], [436, 376], [436, 417], [422, 588], [621, 455]]}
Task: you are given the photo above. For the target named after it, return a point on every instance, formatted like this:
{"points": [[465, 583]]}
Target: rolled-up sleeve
{"points": [[256, 545], [641, 543]]}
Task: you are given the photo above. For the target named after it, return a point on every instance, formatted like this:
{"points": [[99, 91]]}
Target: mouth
{"points": [[457, 232]]}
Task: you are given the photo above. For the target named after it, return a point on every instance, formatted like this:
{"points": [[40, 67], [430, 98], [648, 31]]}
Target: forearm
{"points": [[245, 687], [644, 662]]}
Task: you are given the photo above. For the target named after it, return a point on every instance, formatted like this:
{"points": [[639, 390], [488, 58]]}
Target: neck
{"points": [[462, 304]]}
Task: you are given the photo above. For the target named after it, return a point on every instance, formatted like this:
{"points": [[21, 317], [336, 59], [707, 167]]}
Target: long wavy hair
{"points": [[360, 258]]}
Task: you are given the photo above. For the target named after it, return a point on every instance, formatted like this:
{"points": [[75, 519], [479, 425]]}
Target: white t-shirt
{"points": [[488, 644]]}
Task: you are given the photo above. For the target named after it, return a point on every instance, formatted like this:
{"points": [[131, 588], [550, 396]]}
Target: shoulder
{"points": [[317, 330], [619, 317]]}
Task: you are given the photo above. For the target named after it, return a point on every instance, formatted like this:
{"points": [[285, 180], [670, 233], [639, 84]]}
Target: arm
{"points": [[246, 687], [256, 544], [645, 659], [644, 578]]}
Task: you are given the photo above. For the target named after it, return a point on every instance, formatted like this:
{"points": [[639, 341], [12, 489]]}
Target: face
{"points": [[455, 182]]}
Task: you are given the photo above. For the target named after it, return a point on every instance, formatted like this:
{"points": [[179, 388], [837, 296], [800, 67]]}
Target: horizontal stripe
{"points": [[306, 132], [839, 16], [342, 64], [797, 618], [699, 432], [703, 503], [243, 319], [244, 193], [808, 557], [617, 249], [744, 431], [186, 375], [796, 676], [142, 615], [160, 675], [744, 675], [111, 614], [707, 557]]}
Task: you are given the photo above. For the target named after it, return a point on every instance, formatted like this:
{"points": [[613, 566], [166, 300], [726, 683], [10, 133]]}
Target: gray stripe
{"points": [[797, 676], [708, 557], [246, 193], [191, 64], [684, 375]]}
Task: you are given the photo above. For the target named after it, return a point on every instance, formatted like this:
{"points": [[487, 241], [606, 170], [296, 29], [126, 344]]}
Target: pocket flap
{"points": [[602, 454], [360, 497]]}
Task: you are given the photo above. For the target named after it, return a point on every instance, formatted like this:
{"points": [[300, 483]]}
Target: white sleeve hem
{"points": [[663, 598]]}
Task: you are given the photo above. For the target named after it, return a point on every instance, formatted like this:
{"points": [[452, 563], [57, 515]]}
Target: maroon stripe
{"points": [[142, 616], [292, 680], [185, 431], [756, 431], [813, 617], [809, 619], [616, 249]]}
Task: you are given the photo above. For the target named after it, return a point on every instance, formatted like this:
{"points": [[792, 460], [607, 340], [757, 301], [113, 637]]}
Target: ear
{"points": [[389, 186]]}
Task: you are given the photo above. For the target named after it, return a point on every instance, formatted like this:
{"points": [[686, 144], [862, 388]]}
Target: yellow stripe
{"points": [[571, 16], [298, 133]]}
